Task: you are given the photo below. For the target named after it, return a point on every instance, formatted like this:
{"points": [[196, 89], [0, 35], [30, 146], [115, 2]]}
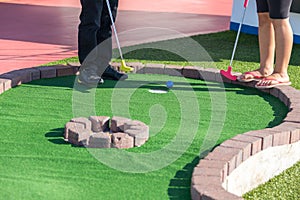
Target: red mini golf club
{"points": [[227, 73]]}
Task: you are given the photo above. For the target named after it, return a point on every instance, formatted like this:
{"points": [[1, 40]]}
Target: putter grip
{"points": [[246, 3]]}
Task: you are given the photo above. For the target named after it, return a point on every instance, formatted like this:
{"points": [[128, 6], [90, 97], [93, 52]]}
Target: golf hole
{"points": [[158, 91]]}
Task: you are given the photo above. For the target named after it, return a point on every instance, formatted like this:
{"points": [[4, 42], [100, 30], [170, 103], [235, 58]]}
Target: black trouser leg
{"points": [[95, 28], [89, 26]]}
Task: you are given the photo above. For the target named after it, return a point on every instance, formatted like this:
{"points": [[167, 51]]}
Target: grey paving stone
{"points": [[100, 123], [100, 140], [122, 141], [82, 120]]}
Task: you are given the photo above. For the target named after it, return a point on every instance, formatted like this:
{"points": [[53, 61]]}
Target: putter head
{"points": [[228, 74], [125, 68]]}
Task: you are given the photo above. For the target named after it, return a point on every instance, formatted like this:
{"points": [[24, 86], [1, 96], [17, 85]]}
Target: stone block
{"points": [[152, 68], [75, 67], [35, 73], [211, 193], [1, 86], [117, 123], [230, 155], [139, 141], [281, 138], [293, 116], [283, 90], [140, 136], [266, 135], [192, 72], [72, 125], [256, 143], [295, 107], [214, 194], [209, 74], [100, 140], [293, 97], [244, 146], [215, 164], [284, 132], [195, 192], [99, 123], [122, 141], [274, 92], [206, 171], [203, 180], [265, 90], [7, 84], [140, 133], [64, 70], [74, 64], [137, 66], [47, 72], [295, 136], [245, 84], [25, 74], [82, 120], [291, 94], [79, 137], [15, 78], [173, 70], [133, 124]]}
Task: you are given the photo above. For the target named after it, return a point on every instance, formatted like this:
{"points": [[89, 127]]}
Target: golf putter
{"points": [[123, 67], [228, 73]]}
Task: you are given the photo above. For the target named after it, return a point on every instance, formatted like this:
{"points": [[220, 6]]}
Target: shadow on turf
{"points": [[68, 82], [56, 136], [180, 185]]}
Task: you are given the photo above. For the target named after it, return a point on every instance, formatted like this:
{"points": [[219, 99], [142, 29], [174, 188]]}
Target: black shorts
{"points": [[277, 9]]}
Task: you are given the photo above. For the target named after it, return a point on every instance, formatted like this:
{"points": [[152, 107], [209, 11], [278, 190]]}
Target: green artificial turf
{"points": [[219, 48], [36, 163]]}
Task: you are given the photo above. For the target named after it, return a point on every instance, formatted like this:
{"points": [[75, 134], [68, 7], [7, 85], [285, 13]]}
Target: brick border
{"points": [[210, 173]]}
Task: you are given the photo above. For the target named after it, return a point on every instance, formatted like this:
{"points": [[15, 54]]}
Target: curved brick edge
{"points": [[103, 132], [210, 173]]}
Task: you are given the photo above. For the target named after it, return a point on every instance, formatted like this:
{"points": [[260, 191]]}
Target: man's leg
{"points": [[90, 18], [88, 28], [104, 39]]}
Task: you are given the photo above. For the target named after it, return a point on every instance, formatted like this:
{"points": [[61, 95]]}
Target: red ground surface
{"points": [[36, 32]]}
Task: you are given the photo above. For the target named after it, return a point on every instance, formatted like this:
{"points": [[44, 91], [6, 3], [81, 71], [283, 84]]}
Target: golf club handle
{"points": [[246, 3]]}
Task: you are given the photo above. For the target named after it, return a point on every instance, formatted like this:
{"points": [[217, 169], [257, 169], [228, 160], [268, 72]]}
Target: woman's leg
{"points": [[266, 43], [279, 14], [266, 38]]}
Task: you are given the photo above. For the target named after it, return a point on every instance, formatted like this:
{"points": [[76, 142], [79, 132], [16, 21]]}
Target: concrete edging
{"points": [[210, 173]]}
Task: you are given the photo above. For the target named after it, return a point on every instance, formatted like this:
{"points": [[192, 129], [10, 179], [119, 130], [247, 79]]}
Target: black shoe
{"points": [[88, 77], [112, 74]]}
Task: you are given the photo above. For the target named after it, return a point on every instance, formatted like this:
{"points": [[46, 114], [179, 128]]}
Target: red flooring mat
{"points": [[36, 32]]}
